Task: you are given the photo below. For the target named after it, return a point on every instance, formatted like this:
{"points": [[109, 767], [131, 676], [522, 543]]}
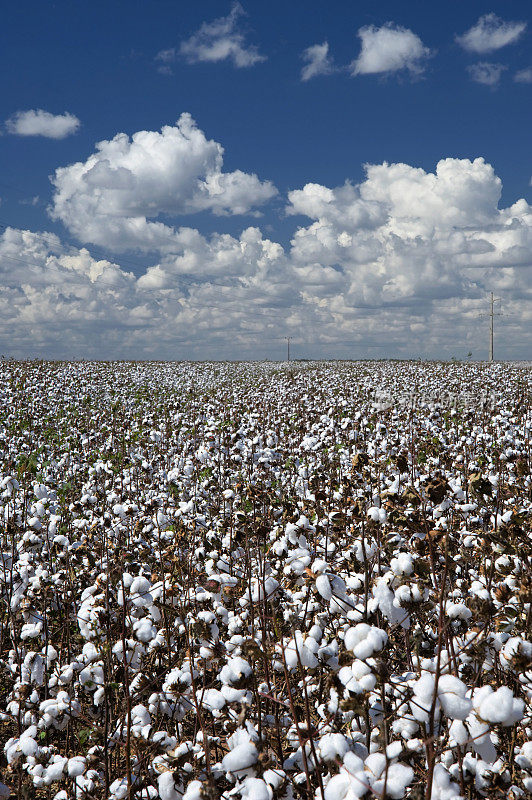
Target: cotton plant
{"points": [[264, 581]]}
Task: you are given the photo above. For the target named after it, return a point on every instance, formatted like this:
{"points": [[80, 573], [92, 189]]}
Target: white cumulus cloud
{"points": [[398, 264], [406, 247], [113, 197], [486, 73], [389, 48], [221, 39], [317, 61], [491, 33], [37, 122]]}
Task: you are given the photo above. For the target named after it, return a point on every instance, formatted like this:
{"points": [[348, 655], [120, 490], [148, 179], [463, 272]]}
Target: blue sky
{"points": [[101, 63]]}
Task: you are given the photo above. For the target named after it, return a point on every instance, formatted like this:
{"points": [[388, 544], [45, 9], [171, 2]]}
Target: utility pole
{"points": [[288, 340], [492, 314]]}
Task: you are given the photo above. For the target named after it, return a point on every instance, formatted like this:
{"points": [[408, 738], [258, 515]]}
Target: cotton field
{"points": [[265, 581]]}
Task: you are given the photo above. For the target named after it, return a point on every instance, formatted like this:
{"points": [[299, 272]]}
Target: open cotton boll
{"points": [[333, 745], [234, 670], [423, 694], [480, 739], [54, 771], [358, 677], [524, 757], [304, 649], [76, 766], [384, 599], [167, 787], [500, 707], [396, 781], [323, 586], [213, 700], [365, 640], [402, 564], [193, 792], [139, 592], [255, 789], [243, 752], [144, 630], [451, 694], [443, 788], [458, 611], [263, 590], [377, 514], [240, 758]]}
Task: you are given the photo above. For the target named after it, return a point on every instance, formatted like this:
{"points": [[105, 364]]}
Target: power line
{"points": [[288, 340], [491, 315]]}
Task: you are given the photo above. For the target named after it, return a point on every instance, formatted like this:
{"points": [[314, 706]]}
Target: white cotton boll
{"points": [[323, 586], [524, 757], [193, 792], [458, 733], [344, 787], [255, 789], [263, 590], [234, 670], [374, 513], [76, 766], [443, 788], [54, 771], [423, 694], [167, 788], [319, 566], [451, 694], [228, 494], [31, 630], [351, 782], [398, 778], [480, 739], [394, 750], [402, 565], [364, 640], [297, 647], [385, 600], [515, 646], [333, 745], [162, 520], [213, 699], [27, 745], [118, 789], [501, 707], [144, 630], [316, 632], [458, 611], [140, 715], [140, 590], [40, 491], [240, 758]]}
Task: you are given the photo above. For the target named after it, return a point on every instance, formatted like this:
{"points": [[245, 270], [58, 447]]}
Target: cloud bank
{"points": [[398, 264]]}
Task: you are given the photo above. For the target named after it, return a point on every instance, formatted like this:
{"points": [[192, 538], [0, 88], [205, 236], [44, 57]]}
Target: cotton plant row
{"points": [[265, 581]]}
